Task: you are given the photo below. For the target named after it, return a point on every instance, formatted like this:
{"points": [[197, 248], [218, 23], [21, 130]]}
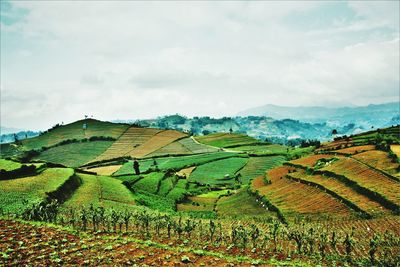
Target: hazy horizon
{"points": [[139, 60]]}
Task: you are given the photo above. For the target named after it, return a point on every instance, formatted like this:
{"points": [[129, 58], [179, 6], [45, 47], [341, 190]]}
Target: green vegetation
{"points": [[257, 166], [75, 131], [9, 165], [175, 163], [18, 194], [166, 185], [155, 202], [215, 206], [149, 183], [227, 140], [241, 204], [100, 191], [74, 154], [262, 149], [179, 191], [10, 150], [220, 172]]}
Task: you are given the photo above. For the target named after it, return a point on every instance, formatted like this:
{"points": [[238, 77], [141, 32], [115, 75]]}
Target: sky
{"points": [[62, 60]]}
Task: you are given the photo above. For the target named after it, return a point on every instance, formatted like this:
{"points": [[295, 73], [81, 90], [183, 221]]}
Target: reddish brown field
{"points": [[311, 160], [379, 160], [258, 182], [294, 197], [367, 177], [26, 244], [363, 202], [355, 149]]}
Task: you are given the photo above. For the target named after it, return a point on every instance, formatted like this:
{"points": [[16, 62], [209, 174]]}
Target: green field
{"points": [[257, 166], [175, 163], [227, 140], [214, 173], [179, 191], [241, 204], [18, 194], [10, 150], [9, 165], [167, 185], [149, 183], [74, 154], [262, 149], [75, 131], [100, 191]]}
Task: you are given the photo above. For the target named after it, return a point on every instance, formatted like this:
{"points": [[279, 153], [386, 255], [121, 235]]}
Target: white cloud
{"points": [[143, 59]]}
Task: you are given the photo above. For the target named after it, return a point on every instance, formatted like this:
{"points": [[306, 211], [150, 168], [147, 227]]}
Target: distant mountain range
{"points": [[274, 123], [367, 116], [8, 134]]}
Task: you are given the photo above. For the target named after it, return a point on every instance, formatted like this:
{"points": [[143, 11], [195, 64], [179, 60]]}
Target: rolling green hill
{"points": [[75, 131]]}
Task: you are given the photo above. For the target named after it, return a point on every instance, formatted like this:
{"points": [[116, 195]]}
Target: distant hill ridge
{"points": [[373, 112]]}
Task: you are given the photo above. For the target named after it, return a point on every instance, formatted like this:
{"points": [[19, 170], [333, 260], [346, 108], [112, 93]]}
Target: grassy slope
{"points": [[173, 162], [240, 204], [74, 154], [100, 191], [214, 172], [75, 131], [149, 182], [262, 149], [32, 189], [9, 165], [257, 166], [225, 139]]}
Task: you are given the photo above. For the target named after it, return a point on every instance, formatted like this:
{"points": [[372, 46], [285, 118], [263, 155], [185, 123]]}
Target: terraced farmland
{"points": [[185, 146], [195, 147], [367, 177], [74, 154], [130, 139], [9, 165], [186, 172], [158, 141], [75, 131], [214, 173], [100, 191], [166, 185], [262, 149], [363, 202], [257, 166], [395, 149], [203, 202], [295, 198], [175, 163], [106, 170], [149, 183], [355, 149], [227, 140], [175, 148], [379, 160], [310, 161], [241, 204], [16, 195]]}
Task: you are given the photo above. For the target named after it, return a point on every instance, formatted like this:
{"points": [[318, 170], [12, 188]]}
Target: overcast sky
{"points": [[126, 60]]}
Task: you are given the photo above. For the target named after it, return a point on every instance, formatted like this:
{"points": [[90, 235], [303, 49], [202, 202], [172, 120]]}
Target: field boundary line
{"points": [[332, 193], [380, 171]]}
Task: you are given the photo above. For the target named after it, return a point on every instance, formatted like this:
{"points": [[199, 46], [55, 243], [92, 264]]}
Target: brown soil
{"points": [[38, 245]]}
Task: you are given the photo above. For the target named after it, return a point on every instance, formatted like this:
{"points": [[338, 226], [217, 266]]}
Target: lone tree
{"points": [[136, 166]]}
